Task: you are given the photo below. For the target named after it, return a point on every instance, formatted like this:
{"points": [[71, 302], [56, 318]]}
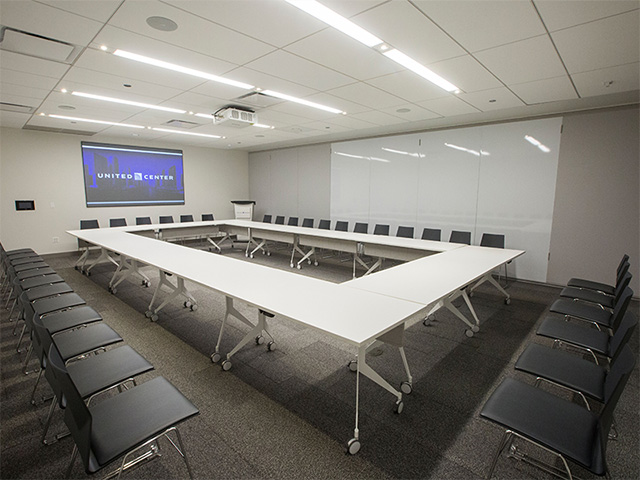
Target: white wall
{"points": [[47, 168]]}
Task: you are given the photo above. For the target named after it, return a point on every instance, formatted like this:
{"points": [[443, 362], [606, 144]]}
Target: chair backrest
{"points": [[186, 218], [381, 229], [613, 387], [143, 220], [117, 222], [207, 217], [293, 221], [342, 226], [360, 227], [307, 222], [622, 335], [324, 225], [431, 234], [625, 259], [279, 220], [621, 285], [77, 416], [622, 271], [266, 219], [495, 240], [458, 236], [87, 224], [620, 308], [166, 219], [406, 232]]}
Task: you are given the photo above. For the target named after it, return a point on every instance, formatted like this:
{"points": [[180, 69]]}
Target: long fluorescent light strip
{"points": [[289, 98], [337, 21], [155, 152], [102, 122], [186, 133], [180, 68], [127, 102], [410, 64]]}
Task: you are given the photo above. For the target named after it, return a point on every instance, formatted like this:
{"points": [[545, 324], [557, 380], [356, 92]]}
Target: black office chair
{"points": [[595, 297], [405, 232], [279, 220], [623, 267], [460, 237], [207, 217], [380, 229], [143, 220], [360, 227], [324, 225], [186, 218], [431, 234], [341, 226], [85, 246], [266, 219], [307, 222], [165, 219], [495, 240], [293, 221], [117, 222], [122, 424], [563, 428]]}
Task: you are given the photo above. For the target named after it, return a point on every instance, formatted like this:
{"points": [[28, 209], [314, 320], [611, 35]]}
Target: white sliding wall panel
{"points": [[517, 189], [486, 179]]}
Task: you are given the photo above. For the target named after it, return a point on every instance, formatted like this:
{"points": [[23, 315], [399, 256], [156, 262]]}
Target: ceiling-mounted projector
{"points": [[235, 117]]}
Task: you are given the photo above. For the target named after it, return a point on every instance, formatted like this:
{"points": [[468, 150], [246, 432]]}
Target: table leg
{"points": [[126, 268], [104, 255], [176, 290]]}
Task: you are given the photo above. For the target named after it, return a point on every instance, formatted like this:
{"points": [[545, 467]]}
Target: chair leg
{"points": [[182, 452], [74, 454], [506, 439]]}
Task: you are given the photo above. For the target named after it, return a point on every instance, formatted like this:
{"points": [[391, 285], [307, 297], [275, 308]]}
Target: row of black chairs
{"points": [[457, 236], [122, 222], [572, 431], [92, 373]]}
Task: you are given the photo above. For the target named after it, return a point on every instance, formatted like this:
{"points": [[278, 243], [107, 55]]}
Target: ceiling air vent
{"points": [[16, 107], [34, 45], [59, 130], [181, 124]]}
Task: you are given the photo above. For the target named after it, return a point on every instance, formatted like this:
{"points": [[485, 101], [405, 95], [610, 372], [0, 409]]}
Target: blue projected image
{"points": [[120, 175]]}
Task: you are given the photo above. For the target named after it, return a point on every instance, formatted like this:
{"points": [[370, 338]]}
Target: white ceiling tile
{"points": [[193, 32], [303, 111], [415, 113], [448, 106], [466, 73], [350, 122], [197, 102], [405, 28], [13, 119], [523, 61], [478, 25], [343, 104], [50, 22], [557, 15], [326, 127], [547, 90], [339, 52], [31, 99], [27, 79], [23, 91], [378, 118], [296, 69], [493, 99], [100, 10], [600, 44], [624, 78], [269, 82], [38, 66], [367, 95], [408, 86], [350, 8], [269, 116]]}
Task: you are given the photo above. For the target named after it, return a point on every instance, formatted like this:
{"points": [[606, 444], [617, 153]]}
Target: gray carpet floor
{"points": [[289, 413]]}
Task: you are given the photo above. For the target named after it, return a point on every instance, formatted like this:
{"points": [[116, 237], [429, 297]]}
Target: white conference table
{"points": [[374, 308]]}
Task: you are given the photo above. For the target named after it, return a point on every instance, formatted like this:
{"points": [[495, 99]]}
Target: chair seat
{"points": [[57, 322], [23, 260], [37, 272], [135, 415], [29, 266], [582, 336], [110, 368], [82, 340], [590, 285], [564, 368], [47, 305], [40, 281], [588, 296], [584, 311], [19, 251], [565, 427], [48, 290]]}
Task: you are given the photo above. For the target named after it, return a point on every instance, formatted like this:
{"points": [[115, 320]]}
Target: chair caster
{"points": [[215, 357], [353, 446]]}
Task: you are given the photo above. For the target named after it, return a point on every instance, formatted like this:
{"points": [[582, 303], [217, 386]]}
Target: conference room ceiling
{"points": [[510, 59]]}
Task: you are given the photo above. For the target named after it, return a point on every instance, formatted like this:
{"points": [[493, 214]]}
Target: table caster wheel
{"points": [[475, 329], [507, 301], [315, 264], [428, 320], [406, 388], [251, 256], [268, 254], [193, 307], [291, 265], [146, 283], [148, 314], [353, 446], [187, 304], [468, 333], [271, 346], [298, 267], [215, 357], [259, 340], [114, 291], [154, 317], [399, 407], [308, 262], [353, 365], [246, 255], [75, 267], [226, 365], [88, 273], [470, 294]]}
